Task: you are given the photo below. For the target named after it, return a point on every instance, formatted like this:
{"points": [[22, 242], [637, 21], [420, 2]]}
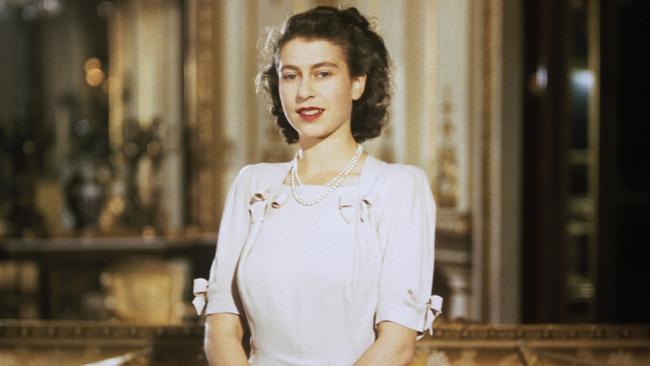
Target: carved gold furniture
{"points": [[84, 343], [147, 290]]}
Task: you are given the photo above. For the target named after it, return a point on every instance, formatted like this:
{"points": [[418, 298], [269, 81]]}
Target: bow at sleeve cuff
{"points": [[200, 291], [433, 309]]}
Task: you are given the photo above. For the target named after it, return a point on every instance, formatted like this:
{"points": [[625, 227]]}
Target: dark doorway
{"points": [[586, 171]]}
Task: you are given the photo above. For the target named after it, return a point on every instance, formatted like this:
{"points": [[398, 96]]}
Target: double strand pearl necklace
{"points": [[331, 185]]}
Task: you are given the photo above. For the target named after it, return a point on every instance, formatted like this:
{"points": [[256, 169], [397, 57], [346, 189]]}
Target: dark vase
{"points": [[84, 196]]}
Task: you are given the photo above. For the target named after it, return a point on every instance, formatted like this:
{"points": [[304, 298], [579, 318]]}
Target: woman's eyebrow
{"points": [[291, 67], [325, 64], [314, 66]]}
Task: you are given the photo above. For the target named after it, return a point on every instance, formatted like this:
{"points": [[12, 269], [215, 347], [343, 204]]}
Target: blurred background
{"points": [[122, 124]]}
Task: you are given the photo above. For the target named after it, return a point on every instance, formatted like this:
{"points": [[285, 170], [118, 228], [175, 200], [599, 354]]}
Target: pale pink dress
{"points": [[314, 281]]}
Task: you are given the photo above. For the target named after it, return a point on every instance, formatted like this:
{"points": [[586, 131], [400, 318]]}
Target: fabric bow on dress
{"points": [[347, 204], [434, 308], [200, 291]]}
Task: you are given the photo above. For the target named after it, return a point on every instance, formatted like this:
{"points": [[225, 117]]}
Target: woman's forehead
{"points": [[303, 52]]}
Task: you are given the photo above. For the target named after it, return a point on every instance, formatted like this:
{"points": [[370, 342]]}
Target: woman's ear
{"points": [[358, 86]]}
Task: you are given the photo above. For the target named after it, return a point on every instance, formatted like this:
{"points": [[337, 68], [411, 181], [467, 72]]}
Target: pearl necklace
{"points": [[332, 184]]}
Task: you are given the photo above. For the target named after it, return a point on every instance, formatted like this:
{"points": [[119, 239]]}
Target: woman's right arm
{"points": [[223, 325], [223, 340]]}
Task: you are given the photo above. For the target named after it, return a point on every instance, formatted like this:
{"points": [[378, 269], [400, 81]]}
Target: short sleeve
{"points": [[407, 234], [222, 296]]}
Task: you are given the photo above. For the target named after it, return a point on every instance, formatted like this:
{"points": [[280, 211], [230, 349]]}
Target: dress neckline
{"points": [[321, 186], [362, 174]]}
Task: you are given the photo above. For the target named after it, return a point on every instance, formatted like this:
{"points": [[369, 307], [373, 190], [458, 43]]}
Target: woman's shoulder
{"points": [[263, 169], [400, 185], [400, 173], [259, 173]]}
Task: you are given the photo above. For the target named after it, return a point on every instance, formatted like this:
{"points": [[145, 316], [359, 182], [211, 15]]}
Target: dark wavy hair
{"points": [[365, 54]]}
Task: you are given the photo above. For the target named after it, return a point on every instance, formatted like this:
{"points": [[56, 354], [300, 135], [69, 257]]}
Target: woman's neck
{"points": [[325, 159]]}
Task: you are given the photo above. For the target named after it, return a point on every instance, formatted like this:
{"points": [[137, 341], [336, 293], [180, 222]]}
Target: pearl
{"points": [[332, 184]]}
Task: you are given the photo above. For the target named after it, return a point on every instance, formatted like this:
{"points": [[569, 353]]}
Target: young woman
{"points": [[327, 259]]}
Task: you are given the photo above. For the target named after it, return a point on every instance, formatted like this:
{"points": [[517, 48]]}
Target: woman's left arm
{"points": [[407, 234], [395, 346]]}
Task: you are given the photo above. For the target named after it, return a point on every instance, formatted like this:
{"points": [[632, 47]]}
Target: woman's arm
{"points": [[223, 326], [407, 232], [395, 346], [223, 340]]}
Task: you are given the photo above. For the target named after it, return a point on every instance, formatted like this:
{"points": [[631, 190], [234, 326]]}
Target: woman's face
{"points": [[316, 89]]}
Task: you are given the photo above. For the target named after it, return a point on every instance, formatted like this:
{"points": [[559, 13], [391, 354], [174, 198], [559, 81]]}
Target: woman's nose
{"points": [[305, 89]]}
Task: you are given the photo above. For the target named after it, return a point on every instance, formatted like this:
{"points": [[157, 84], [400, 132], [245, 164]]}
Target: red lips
{"points": [[310, 113]]}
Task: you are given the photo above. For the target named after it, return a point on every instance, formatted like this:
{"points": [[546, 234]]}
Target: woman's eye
{"points": [[289, 76], [323, 74]]}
